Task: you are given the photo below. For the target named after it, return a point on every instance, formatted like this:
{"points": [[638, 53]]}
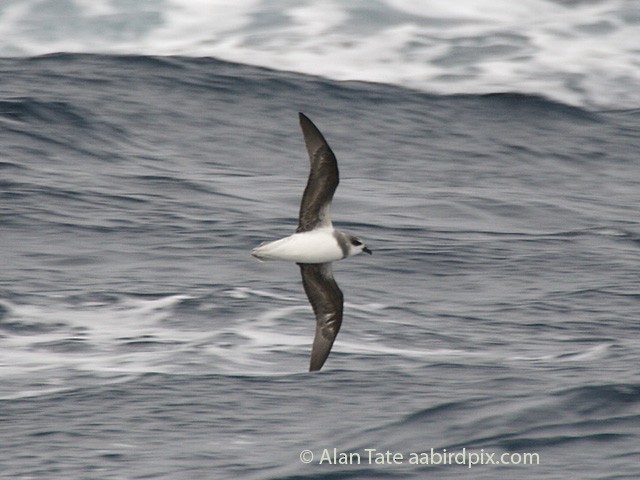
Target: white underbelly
{"points": [[318, 246]]}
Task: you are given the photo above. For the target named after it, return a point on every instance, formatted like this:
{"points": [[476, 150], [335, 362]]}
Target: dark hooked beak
{"points": [[366, 250]]}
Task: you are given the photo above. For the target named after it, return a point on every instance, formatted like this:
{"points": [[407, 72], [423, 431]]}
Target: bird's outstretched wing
{"points": [[326, 300], [315, 208]]}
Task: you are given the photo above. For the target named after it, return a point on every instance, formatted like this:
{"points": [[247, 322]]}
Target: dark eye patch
{"points": [[356, 243]]}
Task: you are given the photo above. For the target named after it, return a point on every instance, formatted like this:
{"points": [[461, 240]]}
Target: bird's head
{"points": [[356, 246]]}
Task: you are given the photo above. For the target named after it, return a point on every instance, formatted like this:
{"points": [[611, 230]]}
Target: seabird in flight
{"points": [[316, 244]]}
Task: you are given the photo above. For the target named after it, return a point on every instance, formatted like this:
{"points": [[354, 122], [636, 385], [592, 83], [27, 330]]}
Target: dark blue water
{"points": [[498, 315]]}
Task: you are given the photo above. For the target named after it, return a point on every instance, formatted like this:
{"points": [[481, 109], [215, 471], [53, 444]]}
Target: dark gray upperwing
{"points": [[323, 180], [326, 300]]}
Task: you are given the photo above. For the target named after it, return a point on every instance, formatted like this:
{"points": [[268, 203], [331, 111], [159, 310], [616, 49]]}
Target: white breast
{"points": [[317, 246]]}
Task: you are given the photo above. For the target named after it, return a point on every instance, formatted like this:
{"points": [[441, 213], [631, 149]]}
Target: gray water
{"points": [[139, 339]]}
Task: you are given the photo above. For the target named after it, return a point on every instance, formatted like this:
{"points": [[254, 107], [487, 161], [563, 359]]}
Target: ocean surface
{"points": [[146, 149]]}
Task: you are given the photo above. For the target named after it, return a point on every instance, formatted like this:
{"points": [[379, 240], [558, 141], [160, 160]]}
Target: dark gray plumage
{"points": [[327, 301], [323, 179]]}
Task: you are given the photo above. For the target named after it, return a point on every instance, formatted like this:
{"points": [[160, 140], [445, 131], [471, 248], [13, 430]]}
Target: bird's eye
{"points": [[356, 243]]}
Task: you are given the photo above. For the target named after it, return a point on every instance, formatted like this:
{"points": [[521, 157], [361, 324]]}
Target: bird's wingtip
{"points": [[303, 118]]}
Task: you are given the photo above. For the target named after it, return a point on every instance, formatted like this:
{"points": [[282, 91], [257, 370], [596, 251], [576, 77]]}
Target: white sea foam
{"points": [[577, 52], [91, 336], [595, 352], [171, 334], [119, 337], [129, 335]]}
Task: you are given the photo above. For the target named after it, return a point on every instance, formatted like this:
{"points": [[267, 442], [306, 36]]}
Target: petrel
{"points": [[316, 244]]}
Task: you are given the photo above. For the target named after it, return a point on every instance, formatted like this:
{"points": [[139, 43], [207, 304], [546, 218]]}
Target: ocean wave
{"points": [[579, 53], [176, 333], [29, 110]]}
